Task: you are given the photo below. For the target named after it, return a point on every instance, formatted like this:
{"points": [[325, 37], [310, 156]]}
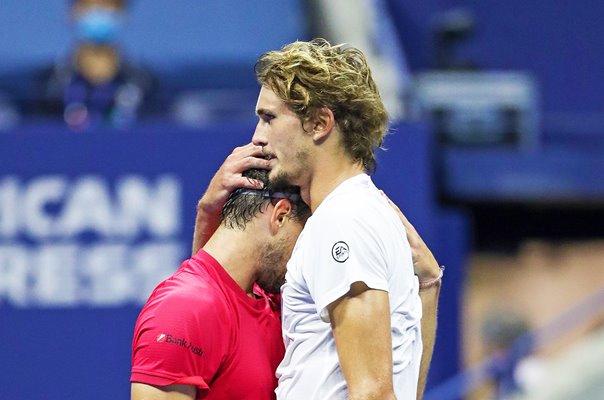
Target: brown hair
{"points": [[308, 76]]}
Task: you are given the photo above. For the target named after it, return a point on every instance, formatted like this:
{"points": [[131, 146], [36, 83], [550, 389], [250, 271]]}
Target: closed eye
{"points": [[266, 116]]}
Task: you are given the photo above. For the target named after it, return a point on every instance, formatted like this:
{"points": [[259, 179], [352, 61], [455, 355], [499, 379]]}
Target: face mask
{"points": [[98, 26]]}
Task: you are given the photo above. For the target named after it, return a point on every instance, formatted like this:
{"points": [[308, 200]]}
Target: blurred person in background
{"points": [[506, 336], [96, 85]]}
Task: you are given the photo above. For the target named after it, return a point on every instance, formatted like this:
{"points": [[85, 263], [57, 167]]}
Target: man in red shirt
{"points": [[212, 330]]}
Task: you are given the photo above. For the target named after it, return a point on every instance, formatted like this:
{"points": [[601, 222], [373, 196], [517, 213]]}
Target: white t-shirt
{"points": [[353, 236]]}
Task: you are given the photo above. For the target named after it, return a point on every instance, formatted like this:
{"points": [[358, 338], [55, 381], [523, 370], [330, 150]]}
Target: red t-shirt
{"points": [[200, 328]]}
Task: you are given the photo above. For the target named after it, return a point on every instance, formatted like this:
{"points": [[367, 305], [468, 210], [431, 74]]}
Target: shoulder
{"points": [[364, 221], [186, 297], [362, 206], [180, 315]]}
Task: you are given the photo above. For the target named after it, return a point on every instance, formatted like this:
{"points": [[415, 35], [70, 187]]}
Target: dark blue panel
{"points": [[552, 175], [560, 42], [66, 354], [414, 23], [451, 249], [405, 172]]}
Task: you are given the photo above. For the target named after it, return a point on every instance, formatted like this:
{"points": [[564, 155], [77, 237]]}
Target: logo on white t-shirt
{"points": [[340, 252]]}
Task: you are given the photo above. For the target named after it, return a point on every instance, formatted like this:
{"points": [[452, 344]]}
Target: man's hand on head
{"points": [[230, 177]]}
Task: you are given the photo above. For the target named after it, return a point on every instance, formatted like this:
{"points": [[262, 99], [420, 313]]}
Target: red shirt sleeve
{"points": [[181, 337]]}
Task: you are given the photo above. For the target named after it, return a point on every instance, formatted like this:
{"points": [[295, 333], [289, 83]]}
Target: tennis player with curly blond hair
{"points": [[351, 308]]}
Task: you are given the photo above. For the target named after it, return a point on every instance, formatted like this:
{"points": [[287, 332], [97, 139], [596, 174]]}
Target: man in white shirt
{"points": [[351, 305], [352, 244]]}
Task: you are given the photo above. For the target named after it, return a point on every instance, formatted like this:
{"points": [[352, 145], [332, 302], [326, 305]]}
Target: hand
{"points": [[424, 264], [229, 177]]}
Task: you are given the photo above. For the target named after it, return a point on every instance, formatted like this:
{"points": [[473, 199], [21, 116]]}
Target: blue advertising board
{"points": [[90, 223]]}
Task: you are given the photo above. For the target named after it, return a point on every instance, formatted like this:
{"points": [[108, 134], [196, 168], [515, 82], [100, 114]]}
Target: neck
{"points": [[330, 168], [236, 252]]}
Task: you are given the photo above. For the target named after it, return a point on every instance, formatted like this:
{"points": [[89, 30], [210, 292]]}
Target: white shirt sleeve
{"points": [[347, 249]]}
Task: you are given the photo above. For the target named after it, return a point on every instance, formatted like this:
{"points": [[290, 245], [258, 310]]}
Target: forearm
{"points": [[429, 298]]}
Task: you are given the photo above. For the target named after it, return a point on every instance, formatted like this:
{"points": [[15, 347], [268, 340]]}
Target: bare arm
{"points": [[426, 268], [360, 322], [227, 178], [429, 299], [141, 391]]}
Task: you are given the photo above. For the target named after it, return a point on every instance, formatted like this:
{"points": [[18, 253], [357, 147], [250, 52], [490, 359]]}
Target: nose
{"points": [[259, 138]]}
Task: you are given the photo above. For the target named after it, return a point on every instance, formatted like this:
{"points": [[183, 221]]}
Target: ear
{"points": [[281, 209], [323, 123]]}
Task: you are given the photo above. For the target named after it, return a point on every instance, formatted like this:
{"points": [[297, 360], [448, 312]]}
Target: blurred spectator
{"points": [[96, 84], [506, 335]]}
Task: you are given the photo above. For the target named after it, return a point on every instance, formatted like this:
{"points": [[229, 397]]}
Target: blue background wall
{"points": [[559, 42], [161, 33]]}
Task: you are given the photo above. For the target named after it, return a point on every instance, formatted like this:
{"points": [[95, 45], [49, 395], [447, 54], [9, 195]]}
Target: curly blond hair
{"points": [[308, 76]]}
